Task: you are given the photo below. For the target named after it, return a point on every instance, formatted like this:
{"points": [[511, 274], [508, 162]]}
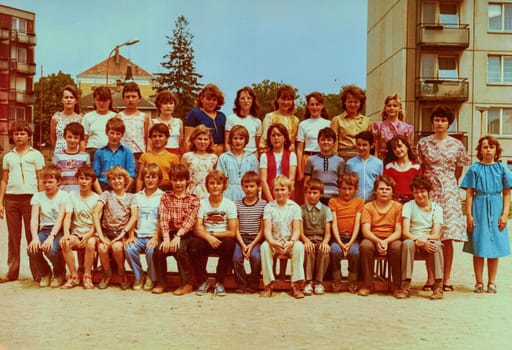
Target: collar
{"points": [[29, 149], [310, 207]]}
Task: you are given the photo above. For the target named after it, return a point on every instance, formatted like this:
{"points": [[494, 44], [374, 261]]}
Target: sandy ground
{"points": [[34, 318]]}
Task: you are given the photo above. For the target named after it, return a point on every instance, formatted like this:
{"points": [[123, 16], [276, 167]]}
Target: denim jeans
{"points": [[353, 260], [54, 255], [132, 253], [242, 280]]}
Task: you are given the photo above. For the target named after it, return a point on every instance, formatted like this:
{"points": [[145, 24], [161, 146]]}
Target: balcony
{"points": [[430, 35], [23, 38], [21, 67], [447, 90], [20, 96]]}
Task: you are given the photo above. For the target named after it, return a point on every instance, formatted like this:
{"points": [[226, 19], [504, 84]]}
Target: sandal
{"points": [[479, 288], [88, 282], [71, 283], [427, 287], [491, 288], [447, 288]]}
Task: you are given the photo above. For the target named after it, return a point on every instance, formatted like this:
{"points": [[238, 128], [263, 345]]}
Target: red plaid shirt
{"points": [[178, 214]]}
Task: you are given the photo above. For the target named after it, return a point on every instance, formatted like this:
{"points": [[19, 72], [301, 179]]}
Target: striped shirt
{"points": [[249, 216]]}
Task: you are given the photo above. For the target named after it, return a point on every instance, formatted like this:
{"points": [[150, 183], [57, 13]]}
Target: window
{"points": [[499, 121], [19, 54], [439, 67], [500, 17], [19, 24], [436, 13], [499, 69], [426, 123]]}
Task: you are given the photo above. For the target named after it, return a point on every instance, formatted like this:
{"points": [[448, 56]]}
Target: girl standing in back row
{"points": [[392, 124]]}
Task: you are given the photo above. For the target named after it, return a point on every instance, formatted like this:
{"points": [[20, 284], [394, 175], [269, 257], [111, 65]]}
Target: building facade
{"points": [[452, 52], [17, 68], [117, 67]]}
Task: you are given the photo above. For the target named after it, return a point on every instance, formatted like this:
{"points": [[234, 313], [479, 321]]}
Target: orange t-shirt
{"points": [[382, 224], [345, 213]]}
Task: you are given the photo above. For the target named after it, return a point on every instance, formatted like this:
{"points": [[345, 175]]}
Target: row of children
{"points": [[245, 112]]}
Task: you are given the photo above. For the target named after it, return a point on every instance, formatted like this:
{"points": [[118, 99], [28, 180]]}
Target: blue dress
{"points": [[234, 169], [488, 180]]}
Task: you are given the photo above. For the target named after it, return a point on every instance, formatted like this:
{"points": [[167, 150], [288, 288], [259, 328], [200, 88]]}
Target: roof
{"points": [[118, 68]]}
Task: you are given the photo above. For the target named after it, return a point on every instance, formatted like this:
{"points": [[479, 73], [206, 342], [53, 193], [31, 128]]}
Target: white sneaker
{"points": [[319, 289], [308, 289], [45, 281]]}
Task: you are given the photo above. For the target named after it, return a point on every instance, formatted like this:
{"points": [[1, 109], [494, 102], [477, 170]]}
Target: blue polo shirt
{"points": [[105, 158], [197, 117]]}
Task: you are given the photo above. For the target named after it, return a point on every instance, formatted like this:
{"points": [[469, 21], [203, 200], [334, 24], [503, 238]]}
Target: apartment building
{"points": [[453, 52], [17, 68]]}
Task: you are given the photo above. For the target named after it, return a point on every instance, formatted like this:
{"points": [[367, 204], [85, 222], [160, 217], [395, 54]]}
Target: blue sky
{"points": [[312, 45]]}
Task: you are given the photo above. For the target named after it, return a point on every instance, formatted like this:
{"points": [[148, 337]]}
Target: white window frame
{"points": [[502, 6], [500, 120], [505, 61]]}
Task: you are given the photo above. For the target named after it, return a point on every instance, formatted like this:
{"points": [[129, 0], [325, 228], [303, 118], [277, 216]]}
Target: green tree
{"points": [[333, 104], [266, 92], [48, 90], [180, 74]]}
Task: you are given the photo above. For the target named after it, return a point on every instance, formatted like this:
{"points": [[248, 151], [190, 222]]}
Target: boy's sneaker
{"points": [[220, 291], [148, 284], [137, 285], [45, 281], [58, 281], [203, 288], [319, 289], [308, 289]]}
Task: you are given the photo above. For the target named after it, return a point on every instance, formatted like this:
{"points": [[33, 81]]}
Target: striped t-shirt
{"points": [[249, 216]]}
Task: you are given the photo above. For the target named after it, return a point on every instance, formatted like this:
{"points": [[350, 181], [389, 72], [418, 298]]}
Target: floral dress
{"points": [[61, 122], [199, 167], [385, 130], [439, 166]]}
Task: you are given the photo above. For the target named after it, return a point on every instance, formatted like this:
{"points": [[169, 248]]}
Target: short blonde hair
{"points": [[283, 181], [217, 175], [116, 171]]}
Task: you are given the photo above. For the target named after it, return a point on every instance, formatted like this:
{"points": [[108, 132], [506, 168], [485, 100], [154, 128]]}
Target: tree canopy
{"points": [[48, 90], [180, 76]]}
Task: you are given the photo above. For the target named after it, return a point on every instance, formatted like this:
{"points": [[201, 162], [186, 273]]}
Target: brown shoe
{"points": [[402, 293], [267, 292], [184, 289], [297, 290], [4, 279], [364, 292], [159, 288]]}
